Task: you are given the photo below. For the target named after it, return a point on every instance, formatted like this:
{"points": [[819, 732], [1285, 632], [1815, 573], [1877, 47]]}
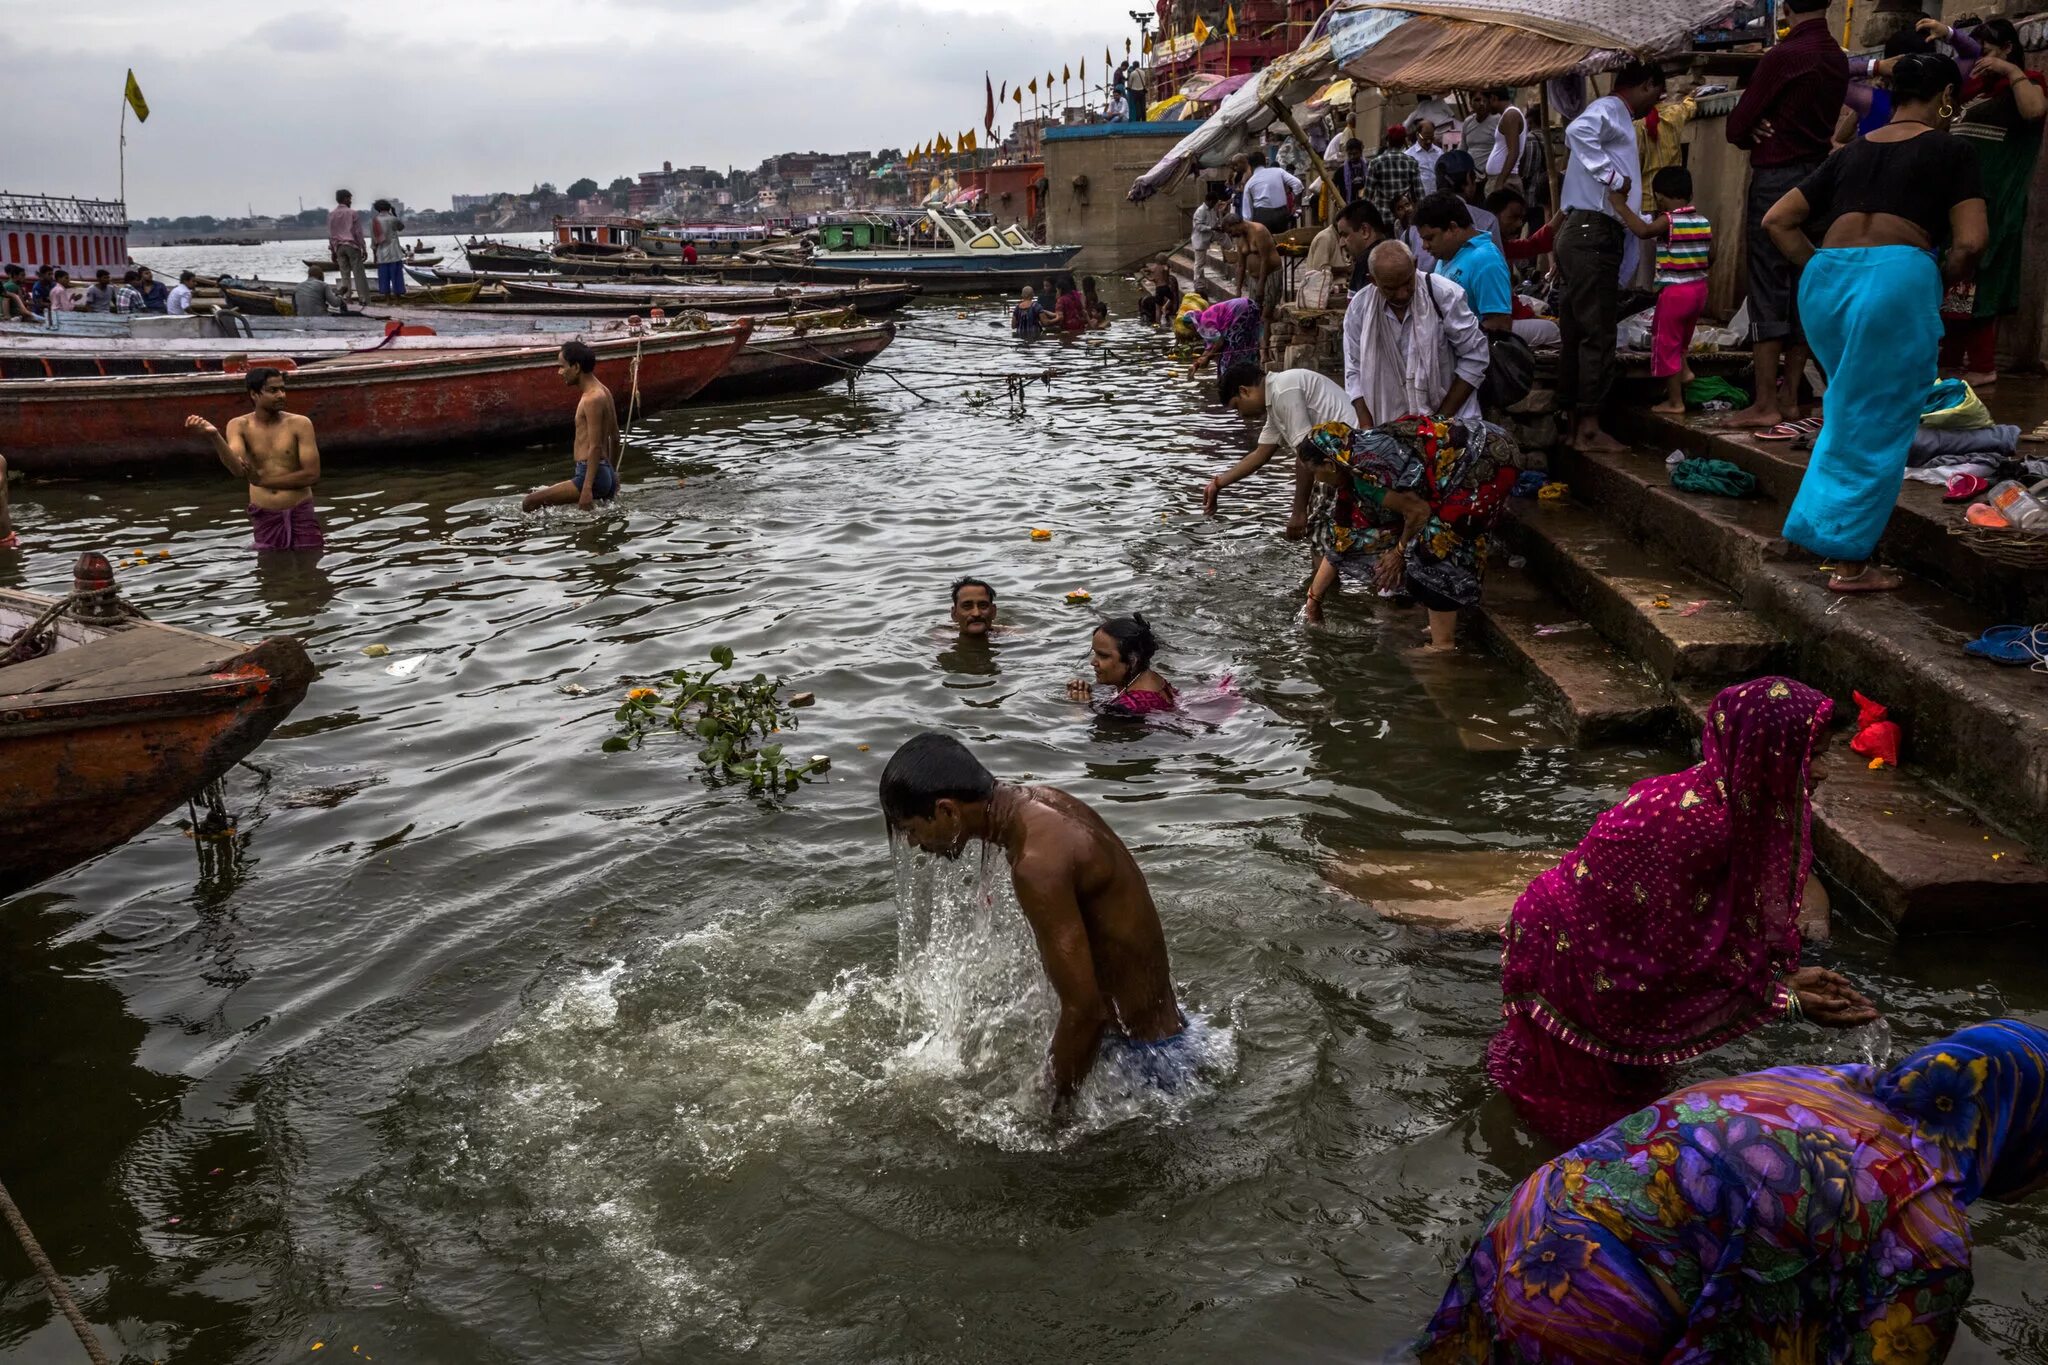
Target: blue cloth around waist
{"points": [[605, 485], [1169, 1064]]}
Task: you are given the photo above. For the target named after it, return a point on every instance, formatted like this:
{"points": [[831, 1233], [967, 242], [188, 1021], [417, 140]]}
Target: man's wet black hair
{"points": [[930, 768], [1673, 182], [1502, 197], [1644, 73], [960, 583], [259, 375], [1364, 213], [1442, 210], [1134, 641], [1242, 375], [578, 353]]}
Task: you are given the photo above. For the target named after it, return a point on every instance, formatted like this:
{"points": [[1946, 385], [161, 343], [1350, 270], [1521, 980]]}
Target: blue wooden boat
{"points": [[944, 251]]}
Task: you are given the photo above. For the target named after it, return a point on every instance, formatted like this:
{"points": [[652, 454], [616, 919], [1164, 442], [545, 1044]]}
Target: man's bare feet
{"points": [[1670, 409], [1595, 438], [1757, 415], [1869, 578], [1979, 379]]}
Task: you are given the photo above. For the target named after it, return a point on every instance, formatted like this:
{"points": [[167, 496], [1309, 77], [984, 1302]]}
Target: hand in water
{"points": [[1829, 1000], [1209, 492], [1080, 689], [585, 499], [1387, 570], [1297, 528], [1312, 610]]}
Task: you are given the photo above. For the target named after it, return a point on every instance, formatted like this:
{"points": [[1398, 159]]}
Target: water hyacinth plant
{"points": [[732, 718]]}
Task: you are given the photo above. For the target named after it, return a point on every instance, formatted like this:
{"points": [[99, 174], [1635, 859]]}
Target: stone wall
{"points": [[1089, 170]]}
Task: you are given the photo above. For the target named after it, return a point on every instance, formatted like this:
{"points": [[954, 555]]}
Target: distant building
{"points": [[464, 203]]}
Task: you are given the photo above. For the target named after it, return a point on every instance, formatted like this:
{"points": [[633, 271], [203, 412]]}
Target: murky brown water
{"points": [[475, 1044]]}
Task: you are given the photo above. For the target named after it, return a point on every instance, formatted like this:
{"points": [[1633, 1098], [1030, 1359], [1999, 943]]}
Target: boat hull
{"points": [[407, 405], [931, 276], [606, 300], [87, 766], [773, 364]]}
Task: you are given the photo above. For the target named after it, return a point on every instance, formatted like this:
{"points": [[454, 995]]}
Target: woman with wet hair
{"points": [[1121, 651]]}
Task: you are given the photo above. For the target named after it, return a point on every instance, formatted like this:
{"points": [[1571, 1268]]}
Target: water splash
{"points": [[1867, 1044]]}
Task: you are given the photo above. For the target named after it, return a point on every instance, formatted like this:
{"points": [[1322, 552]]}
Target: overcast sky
{"points": [[266, 103]]}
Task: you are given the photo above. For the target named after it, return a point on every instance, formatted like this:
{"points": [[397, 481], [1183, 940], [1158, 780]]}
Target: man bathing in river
{"points": [[276, 452], [1098, 933], [597, 435]]}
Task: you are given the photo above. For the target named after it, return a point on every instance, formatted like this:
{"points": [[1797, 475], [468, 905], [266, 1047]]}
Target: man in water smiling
{"points": [[1098, 933]]}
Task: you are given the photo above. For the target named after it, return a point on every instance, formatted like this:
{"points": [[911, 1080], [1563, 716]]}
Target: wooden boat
{"points": [[329, 263], [944, 250], [797, 361], [867, 299], [258, 297], [404, 404], [112, 721]]}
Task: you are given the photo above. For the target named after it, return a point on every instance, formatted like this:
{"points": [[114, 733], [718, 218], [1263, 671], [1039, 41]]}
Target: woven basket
{"points": [[2006, 544]]}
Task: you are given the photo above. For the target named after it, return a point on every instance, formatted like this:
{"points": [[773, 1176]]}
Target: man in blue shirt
{"points": [[1466, 255]]}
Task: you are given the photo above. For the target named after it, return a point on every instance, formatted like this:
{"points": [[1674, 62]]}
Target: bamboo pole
{"points": [[1315, 158], [1550, 156]]}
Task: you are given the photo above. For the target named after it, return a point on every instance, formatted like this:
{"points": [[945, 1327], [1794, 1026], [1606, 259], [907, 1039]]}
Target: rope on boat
{"points": [[52, 1285], [632, 407], [111, 606]]}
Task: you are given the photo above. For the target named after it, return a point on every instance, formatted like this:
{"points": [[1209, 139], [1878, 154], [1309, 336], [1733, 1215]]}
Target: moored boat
{"points": [[797, 360], [944, 250], [406, 404], [109, 721], [865, 298], [255, 296]]}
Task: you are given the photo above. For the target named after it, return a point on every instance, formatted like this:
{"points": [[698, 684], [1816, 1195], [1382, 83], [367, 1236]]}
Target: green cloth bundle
{"points": [[1712, 476]]}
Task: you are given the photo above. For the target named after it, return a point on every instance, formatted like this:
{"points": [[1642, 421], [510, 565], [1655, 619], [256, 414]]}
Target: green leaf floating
{"points": [[731, 718]]}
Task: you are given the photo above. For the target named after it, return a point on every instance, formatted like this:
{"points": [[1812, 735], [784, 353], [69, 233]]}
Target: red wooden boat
{"points": [[797, 361], [409, 403], [109, 722]]}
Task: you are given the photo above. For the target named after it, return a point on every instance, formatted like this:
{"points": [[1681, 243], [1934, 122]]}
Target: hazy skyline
{"points": [[477, 96]]}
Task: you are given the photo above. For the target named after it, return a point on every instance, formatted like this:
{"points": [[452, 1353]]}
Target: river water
{"points": [[450, 1038]]}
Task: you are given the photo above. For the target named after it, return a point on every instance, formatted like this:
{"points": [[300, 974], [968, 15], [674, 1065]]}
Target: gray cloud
{"points": [[303, 33]]}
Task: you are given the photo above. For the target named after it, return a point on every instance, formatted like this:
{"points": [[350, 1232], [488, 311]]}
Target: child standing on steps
{"points": [[1684, 240]]}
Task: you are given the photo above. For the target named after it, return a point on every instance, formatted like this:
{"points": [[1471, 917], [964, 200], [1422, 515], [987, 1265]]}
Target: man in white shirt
{"points": [[1501, 166], [1425, 151], [1266, 191], [1591, 246], [1411, 344], [1207, 221], [179, 301], [1293, 402]]}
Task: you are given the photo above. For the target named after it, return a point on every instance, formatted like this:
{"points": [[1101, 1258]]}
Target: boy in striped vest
{"points": [[1684, 240]]}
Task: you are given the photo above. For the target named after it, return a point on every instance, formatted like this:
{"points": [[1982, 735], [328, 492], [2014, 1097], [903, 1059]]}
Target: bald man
{"points": [[1412, 343]]}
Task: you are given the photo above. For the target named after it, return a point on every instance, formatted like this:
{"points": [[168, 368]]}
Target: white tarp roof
{"points": [[1632, 25]]}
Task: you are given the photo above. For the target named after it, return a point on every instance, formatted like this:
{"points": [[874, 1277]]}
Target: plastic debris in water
{"points": [[375, 651], [406, 667], [1693, 608], [804, 699], [574, 689], [1560, 627]]}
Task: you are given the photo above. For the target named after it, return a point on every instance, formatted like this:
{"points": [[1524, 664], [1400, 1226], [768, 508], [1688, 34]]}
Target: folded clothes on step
{"points": [[1954, 406], [1928, 443], [1942, 470]]}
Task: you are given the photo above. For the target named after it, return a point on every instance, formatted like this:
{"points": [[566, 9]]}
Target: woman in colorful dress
{"points": [[1673, 927], [1416, 500], [1121, 653], [1999, 112], [1805, 1213], [1231, 331]]}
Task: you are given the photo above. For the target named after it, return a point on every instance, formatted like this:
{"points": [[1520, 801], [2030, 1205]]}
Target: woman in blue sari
{"points": [[1870, 301]]}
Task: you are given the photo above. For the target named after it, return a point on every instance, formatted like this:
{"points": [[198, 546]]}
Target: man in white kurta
{"points": [[1412, 344]]}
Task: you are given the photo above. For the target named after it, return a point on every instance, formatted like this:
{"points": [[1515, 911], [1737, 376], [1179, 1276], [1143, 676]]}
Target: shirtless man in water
{"points": [[1258, 271], [597, 435], [276, 453], [1098, 933]]}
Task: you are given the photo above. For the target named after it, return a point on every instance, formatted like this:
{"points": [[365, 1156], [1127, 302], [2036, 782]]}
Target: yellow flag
{"points": [[1105, 56], [1084, 71], [1066, 73], [135, 100], [1201, 31], [1148, 44], [1018, 95], [1230, 21], [970, 142], [1033, 87]]}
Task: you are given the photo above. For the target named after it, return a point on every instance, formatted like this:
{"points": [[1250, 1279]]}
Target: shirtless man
{"points": [[1098, 933], [275, 452], [974, 609], [597, 435], [1258, 271]]}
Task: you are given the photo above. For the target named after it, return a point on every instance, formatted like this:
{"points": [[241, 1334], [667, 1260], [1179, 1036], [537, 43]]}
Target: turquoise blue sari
{"points": [[1873, 317]]}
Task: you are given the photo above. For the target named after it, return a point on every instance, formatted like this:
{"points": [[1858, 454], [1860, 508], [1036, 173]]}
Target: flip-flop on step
{"points": [[2013, 645]]}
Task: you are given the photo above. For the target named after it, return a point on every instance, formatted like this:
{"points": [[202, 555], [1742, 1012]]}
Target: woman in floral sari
{"points": [[1230, 331], [1417, 499], [1801, 1214], [1673, 927]]}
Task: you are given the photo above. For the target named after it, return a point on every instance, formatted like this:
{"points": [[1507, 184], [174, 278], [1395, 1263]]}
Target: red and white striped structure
{"points": [[73, 234]]}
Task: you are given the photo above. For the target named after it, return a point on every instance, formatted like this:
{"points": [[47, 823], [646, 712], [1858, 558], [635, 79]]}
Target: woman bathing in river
{"points": [[1673, 927], [1121, 651]]}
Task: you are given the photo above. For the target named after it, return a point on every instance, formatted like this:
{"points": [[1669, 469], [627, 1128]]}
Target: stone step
{"points": [[1644, 600], [1597, 695], [1976, 727], [1920, 536], [1920, 859]]}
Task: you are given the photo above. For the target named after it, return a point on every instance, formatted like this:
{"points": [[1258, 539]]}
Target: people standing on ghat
{"points": [[1120, 652], [974, 609], [1098, 933], [1411, 344], [1871, 298], [1467, 256], [1457, 174], [314, 297], [1230, 333], [1393, 176], [389, 247], [1292, 402], [1259, 268], [1270, 193], [1134, 91], [178, 302], [596, 449], [1591, 247], [2000, 109], [1207, 222], [1673, 928], [99, 295], [1685, 241], [1786, 121], [345, 244], [1809, 1213], [1361, 228], [1425, 151], [1501, 165], [277, 454], [155, 297], [1350, 170]]}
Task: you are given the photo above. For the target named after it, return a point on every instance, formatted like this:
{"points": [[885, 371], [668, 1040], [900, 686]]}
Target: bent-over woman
{"points": [[1804, 1213], [1230, 331], [1416, 499], [1870, 301], [1673, 927]]}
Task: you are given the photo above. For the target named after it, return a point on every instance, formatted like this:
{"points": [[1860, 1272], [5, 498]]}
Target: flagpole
{"points": [[124, 149]]}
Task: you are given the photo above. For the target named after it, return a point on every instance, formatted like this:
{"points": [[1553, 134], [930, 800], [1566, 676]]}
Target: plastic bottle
{"points": [[2021, 505]]}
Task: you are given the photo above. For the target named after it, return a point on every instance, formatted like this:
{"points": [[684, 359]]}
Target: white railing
{"points": [[52, 211]]}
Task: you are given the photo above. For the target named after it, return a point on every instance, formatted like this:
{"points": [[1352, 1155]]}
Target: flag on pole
{"points": [[1148, 44], [971, 142], [1230, 20], [1105, 58], [1003, 93], [1127, 44], [988, 116], [1084, 73], [1018, 95], [133, 94], [1201, 31], [1033, 88], [1066, 74]]}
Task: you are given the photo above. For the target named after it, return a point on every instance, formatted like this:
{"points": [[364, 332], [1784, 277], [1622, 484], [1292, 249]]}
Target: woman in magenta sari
{"points": [[1121, 652], [1673, 927]]}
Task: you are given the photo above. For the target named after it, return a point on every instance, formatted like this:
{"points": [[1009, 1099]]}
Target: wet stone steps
{"points": [[1597, 695]]}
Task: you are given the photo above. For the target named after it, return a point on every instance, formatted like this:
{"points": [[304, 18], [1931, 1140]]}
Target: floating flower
{"points": [[1040, 533], [641, 694]]}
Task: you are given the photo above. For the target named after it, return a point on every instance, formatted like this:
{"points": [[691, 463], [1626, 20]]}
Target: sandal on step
{"points": [[1963, 487], [1784, 431], [1871, 579], [2012, 645]]}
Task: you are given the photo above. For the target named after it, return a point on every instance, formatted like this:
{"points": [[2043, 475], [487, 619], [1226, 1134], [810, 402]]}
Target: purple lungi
{"points": [[290, 528]]}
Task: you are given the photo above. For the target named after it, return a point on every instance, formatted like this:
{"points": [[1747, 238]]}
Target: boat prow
{"points": [[116, 720]]}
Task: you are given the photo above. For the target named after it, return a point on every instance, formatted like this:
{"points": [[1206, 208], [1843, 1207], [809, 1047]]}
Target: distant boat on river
{"points": [[109, 721], [944, 250]]}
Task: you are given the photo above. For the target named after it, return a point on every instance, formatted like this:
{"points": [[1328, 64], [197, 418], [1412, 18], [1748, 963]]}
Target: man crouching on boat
{"points": [[1082, 892], [275, 451], [597, 435]]}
